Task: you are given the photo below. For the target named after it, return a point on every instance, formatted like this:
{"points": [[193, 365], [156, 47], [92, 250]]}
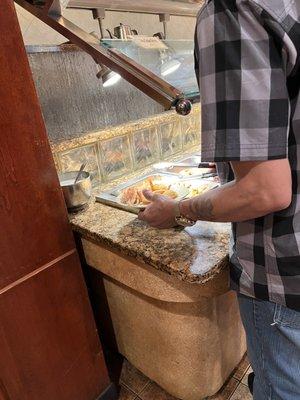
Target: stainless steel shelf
{"points": [[139, 6]]}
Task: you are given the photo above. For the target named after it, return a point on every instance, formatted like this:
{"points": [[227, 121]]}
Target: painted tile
{"points": [[190, 130], [71, 160], [133, 381], [197, 121], [145, 147], [126, 394], [133, 378], [227, 390], [245, 378], [241, 368], [170, 138], [115, 157], [153, 391], [242, 393]]}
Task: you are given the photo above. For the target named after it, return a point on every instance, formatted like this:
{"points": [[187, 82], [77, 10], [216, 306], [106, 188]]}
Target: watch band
{"points": [[181, 219]]}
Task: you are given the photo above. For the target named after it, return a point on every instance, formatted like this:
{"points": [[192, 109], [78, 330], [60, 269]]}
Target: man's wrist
{"points": [[180, 217], [184, 209]]}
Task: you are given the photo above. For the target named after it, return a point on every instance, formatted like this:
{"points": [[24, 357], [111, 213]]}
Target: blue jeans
{"points": [[273, 340]]}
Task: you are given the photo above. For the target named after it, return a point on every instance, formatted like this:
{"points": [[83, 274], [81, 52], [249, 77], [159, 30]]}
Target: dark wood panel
{"points": [[30, 198], [49, 347], [49, 344]]}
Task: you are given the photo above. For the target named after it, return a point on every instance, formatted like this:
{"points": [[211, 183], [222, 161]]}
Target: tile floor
{"points": [[136, 386]]}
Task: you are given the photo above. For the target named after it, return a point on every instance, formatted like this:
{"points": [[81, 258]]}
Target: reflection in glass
{"points": [[169, 67], [174, 63]]}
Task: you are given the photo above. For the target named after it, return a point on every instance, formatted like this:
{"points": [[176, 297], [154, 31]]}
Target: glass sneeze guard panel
{"points": [[174, 64], [163, 71]]}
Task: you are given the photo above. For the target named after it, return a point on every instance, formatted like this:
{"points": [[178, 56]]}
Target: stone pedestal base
{"points": [[187, 338]]}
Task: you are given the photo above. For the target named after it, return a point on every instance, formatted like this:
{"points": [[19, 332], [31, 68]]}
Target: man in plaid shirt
{"points": [[248, 65]]}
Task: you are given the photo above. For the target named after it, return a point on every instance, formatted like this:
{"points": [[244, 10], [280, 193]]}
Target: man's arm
{"points": [[259, 188]]}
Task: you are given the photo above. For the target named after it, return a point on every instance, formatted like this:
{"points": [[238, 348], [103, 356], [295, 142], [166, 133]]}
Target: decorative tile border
{"points": [[170, 137], [145, 147], [115, 157], [71, 160], [191, 126], [121, 150]]}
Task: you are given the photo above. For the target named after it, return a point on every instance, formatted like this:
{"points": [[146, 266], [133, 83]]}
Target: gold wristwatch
{"points": [[181, 219]]}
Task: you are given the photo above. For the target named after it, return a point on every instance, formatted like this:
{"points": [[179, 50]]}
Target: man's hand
{"points": [[160, 213]]}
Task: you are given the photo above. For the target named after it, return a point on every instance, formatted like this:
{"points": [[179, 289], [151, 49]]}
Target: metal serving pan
{"points": [[188, 168], [132, 182], [110, 197]]}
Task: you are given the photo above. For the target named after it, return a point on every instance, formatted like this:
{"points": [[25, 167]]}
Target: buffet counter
{"points": [[173, 314], [194, 255]]}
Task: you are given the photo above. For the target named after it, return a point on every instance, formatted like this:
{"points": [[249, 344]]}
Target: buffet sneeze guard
{"points": [[155, 72]]}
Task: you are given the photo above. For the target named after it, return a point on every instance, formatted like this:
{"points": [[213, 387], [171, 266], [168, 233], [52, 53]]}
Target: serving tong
{"points": [[187, 165], [164, 166]]}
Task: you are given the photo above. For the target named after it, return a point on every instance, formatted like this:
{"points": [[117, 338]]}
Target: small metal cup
{"points": [[76, 195]]}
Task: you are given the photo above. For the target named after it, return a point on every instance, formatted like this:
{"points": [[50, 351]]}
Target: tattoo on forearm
{"points": [[202, 209]]}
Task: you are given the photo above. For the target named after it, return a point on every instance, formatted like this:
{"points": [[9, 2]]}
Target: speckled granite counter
{"points": [[193, 255], [185, 297]]}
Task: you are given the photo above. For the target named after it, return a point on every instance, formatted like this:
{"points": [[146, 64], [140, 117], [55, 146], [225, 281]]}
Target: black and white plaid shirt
{"points": [[247, 61]]}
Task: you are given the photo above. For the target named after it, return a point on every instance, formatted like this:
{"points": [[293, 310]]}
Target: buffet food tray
{"points": [[111, 197], [158, 175]]}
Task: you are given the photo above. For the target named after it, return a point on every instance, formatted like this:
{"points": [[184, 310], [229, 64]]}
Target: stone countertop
{"points": [[193, 255]]}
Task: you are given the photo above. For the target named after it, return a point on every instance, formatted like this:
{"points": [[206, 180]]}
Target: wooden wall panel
{"points": [[49, 344], [30, 197], [49, 347]]}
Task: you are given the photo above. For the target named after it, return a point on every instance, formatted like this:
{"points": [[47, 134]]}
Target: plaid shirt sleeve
{"points": [[242, 79]]}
